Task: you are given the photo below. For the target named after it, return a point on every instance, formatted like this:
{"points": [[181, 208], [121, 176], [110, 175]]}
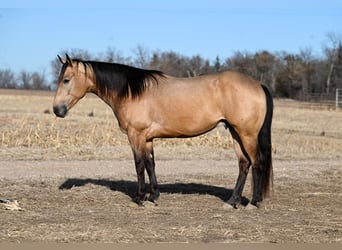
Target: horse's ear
{"points": [[63, 61], [68, 59]]}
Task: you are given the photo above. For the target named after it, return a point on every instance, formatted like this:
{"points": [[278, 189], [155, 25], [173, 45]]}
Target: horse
{"points": [[150, 104]]}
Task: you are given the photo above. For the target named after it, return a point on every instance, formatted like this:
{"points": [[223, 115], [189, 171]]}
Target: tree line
{"points": [[23, 80], [287, 75]]}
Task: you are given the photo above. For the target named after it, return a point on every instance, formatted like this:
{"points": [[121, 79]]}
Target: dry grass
{"points": [[307, 133], [28, 126]]}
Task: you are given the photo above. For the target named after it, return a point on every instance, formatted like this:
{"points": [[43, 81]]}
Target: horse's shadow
{"points": [[129, 188]]}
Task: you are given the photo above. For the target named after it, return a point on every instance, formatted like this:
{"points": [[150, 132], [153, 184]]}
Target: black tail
{"points": [[264, 154]]}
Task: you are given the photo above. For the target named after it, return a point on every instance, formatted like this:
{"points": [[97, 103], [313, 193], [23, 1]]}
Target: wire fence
{"points": [[323, 100]]}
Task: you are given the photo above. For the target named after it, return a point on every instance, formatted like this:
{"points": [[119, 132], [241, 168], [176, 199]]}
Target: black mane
{"points": [[122, 79]]}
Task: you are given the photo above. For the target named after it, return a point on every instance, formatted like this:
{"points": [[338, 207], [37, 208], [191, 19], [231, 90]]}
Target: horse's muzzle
{"points": [[60, 111]]}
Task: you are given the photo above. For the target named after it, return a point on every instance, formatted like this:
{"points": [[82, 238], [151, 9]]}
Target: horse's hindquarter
{"points": [[244, 101]]}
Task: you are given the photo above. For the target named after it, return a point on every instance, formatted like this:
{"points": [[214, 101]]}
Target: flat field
{"points": [[74, 179]]}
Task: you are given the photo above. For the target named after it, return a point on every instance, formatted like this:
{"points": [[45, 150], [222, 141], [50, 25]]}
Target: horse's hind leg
{"points": [[257, 185], [244, 165]]}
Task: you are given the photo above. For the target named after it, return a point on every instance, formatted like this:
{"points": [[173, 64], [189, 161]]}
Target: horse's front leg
{"points": [[144, 159], [140, 169], [150, 168]]}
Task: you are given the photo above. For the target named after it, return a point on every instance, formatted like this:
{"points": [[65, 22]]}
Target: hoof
{"points": [[250, 206], [153, 197], [133, 204], [139, 201], [227, 206], [149, 204]]}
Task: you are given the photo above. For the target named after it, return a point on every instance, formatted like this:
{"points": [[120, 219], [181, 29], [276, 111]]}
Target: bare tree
{"points": [[112, 55], [171, 63], [38, 80], [7, 79], [142, 57], [332, 54], [196, 65], [308, 68], [25, 79], [265, 65], [289, 77], [243, 62]]}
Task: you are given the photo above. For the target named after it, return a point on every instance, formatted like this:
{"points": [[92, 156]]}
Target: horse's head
{"points": [[74, 82]]}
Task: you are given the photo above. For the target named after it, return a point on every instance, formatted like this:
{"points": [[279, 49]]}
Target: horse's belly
{"points": [[184, 125]]}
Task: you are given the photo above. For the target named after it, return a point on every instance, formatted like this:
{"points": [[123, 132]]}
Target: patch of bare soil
{"points": [[90, 201]]}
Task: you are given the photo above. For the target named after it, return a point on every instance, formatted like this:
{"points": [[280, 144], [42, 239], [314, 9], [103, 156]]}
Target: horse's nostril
{"points": [[60, 111]]}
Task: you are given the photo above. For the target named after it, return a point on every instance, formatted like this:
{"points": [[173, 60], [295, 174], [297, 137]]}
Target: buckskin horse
{"points": [[149, 104]]}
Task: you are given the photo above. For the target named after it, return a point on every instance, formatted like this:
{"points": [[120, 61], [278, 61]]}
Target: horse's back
{"points": [[239, 82]]}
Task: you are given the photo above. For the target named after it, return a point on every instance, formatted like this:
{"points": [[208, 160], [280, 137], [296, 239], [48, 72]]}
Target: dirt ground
{"points": [[90, 201]]}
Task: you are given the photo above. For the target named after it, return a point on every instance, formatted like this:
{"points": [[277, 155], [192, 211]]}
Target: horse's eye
{"points": [[65, 81]]}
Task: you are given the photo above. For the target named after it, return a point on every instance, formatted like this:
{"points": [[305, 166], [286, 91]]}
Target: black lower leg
{"points": [[235, 199], [257, 186], [140, 169], [150, 168]]}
